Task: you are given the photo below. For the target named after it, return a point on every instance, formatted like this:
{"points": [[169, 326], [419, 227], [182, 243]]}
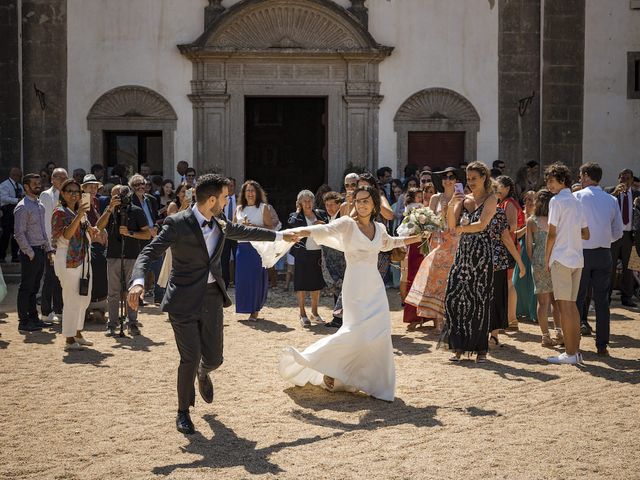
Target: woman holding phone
{"points": [[72, 235], [181, 201]]}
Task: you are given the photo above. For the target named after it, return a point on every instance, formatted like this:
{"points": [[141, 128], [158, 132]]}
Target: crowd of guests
{"points": [[509, 249]]}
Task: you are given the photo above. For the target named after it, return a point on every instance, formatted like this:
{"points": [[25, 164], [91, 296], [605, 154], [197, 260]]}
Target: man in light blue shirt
{"points": [[605, 225]]}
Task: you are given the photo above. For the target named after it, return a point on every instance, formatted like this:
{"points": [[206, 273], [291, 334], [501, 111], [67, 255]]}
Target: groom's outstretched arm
{"points": [[236, 231]]}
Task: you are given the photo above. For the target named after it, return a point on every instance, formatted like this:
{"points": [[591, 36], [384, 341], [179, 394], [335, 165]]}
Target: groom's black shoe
{"points": [[205, 387], [184, 423]]}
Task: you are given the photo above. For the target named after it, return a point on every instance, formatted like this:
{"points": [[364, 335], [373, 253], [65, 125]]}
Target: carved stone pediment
{"points": [[132, 102], [318, 26], [437, 104]]}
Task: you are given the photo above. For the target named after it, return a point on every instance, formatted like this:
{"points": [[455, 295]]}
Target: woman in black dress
{"points": [[470, 284], [307, 275]]}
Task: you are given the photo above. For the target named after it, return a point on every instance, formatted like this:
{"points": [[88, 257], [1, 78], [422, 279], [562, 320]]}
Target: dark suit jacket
{"points": [[191, 262], [296, 219], [634, 194]]}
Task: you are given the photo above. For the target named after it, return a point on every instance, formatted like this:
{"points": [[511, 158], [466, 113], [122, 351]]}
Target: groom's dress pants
{"points": [[199, 340]]}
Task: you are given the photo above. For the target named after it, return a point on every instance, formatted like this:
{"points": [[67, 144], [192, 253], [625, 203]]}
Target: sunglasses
{"points": [[137, 184], [450, 176], [353, 185], [425, 180], [190, 175], [72, 192]]}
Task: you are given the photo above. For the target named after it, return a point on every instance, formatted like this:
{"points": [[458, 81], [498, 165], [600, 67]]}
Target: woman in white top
{"points": [[251, 280]]}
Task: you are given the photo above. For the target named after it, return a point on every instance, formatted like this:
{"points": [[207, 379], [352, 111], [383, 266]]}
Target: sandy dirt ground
{"points": [[108, 412]]}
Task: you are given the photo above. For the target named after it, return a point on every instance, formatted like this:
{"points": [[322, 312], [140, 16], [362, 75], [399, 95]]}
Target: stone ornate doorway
{"points": [[436, 110], [132, 109], [285, 48]]}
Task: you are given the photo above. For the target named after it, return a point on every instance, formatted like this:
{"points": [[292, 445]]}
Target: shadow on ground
{"points": [[225, 449], [267, 326], [87, 357]]}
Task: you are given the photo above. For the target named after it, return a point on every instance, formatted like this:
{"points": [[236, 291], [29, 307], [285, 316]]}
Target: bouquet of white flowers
{"points": [[418, 220]]}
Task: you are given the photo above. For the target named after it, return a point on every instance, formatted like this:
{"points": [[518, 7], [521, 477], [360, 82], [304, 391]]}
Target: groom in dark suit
{"points": [[196, 293]]}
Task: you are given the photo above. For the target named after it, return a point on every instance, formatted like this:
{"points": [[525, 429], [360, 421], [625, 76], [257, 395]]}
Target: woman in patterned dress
{"points": [[427, 292], [470, 284]]}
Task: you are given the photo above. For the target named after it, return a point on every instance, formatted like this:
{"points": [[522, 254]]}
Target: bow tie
{"points": [[207, 224]]}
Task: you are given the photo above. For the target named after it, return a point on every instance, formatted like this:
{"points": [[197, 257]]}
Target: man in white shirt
{"points": [[605, 226], [51, 301], [11, 192], [567, 226]]}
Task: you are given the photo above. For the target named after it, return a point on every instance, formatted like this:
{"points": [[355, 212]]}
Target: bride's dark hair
{"points": [[374, 193]]}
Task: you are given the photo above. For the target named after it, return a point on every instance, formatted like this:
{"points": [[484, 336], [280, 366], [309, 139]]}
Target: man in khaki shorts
{"points": [[567, 228]]}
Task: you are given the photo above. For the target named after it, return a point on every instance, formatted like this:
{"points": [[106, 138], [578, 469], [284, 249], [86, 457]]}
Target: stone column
{"points": [[211, 132], [10, 121], [362, 130], [518, 78], [44, 83], [563, 82]]}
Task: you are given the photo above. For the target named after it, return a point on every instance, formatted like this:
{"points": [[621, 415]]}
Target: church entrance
{"points": [[286, 147]]}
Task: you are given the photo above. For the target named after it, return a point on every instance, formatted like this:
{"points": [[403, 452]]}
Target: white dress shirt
{"points": [[211, 235], [49, 199], [8, 191], [565, 213], [602, 213]]}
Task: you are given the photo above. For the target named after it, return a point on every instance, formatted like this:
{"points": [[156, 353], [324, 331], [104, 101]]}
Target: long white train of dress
{"points": [[359, 356]]}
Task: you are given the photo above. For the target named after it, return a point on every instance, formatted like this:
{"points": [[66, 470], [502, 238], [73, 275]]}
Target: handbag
{"points": [[84, 281]]}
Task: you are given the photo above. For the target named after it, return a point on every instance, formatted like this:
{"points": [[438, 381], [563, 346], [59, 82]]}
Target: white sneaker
{"points": [[83, 341], [53, 318], [304, 321], [72, 346], [563, 358]]}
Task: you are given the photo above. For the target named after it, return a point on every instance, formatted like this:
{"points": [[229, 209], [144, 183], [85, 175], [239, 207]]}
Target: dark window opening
{"points": [[132, 149]]}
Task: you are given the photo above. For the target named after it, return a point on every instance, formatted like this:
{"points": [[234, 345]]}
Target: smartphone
{"points": [[458, 188], [86, 199], [188, 194]]}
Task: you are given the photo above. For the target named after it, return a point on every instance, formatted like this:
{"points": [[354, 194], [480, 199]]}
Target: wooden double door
{"points": [[436, 149]]}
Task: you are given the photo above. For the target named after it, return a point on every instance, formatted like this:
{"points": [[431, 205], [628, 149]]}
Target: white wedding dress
{"points": [[359, 356]]}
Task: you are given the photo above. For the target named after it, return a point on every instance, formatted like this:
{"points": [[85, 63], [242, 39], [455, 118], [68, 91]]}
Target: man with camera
{"points": [[128, 233]]}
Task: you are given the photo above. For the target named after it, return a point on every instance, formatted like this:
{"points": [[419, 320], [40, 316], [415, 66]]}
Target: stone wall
{"points": [[44, 82], [563, 82], [518, 79], [9, 87]]}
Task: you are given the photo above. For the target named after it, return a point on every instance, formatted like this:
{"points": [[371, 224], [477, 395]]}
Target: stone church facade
{"points": [[300, 89]]}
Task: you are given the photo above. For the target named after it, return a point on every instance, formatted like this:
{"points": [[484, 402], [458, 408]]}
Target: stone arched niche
{"points": [[132, 108], [284, 48], [436, 110]]}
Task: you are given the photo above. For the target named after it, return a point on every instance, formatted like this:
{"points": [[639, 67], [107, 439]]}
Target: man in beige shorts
{"points": [[567, 228]]}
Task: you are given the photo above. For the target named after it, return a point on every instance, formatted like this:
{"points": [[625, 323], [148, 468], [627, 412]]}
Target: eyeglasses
{"points": [[425, 180], [350, 185], [137, 184], [72, 192]]}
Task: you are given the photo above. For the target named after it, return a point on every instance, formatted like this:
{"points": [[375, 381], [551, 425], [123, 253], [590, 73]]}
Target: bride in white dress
{"points": [[359, 356]]}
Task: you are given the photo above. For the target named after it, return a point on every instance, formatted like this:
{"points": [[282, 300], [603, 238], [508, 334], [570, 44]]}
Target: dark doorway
{"points": [[285, 149], [132, 149], [436, 149]]}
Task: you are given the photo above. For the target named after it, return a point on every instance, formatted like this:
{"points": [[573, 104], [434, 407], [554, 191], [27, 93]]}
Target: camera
{"points": [[125, 197]]}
